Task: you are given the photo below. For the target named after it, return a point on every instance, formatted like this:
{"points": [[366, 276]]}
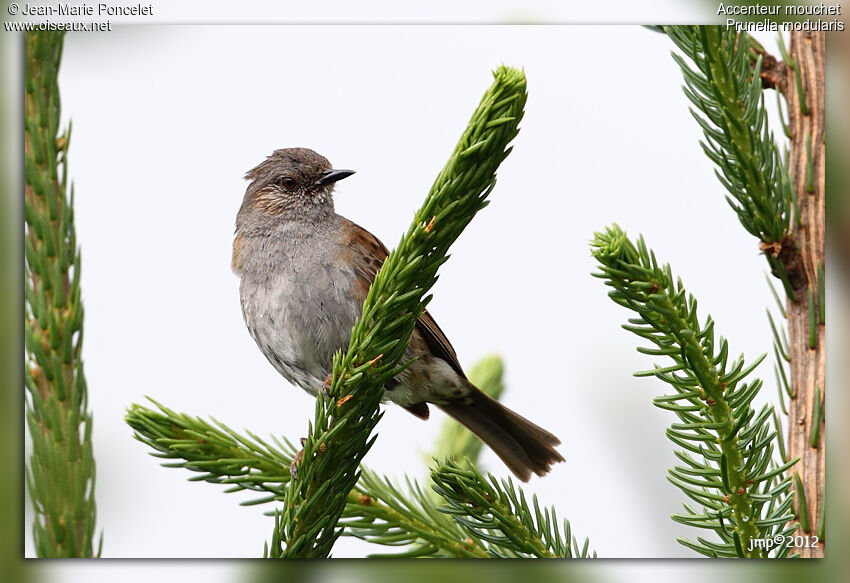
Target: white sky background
{"points": [[168, 119]]}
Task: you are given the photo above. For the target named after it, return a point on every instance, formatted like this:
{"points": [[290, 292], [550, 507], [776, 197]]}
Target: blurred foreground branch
{"points": [[60, 474]]}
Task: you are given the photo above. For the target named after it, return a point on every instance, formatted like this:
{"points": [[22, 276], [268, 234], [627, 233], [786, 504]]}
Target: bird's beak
{"points": [[332, 175]]}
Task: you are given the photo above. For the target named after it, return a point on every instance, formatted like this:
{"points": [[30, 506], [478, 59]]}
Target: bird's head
{"points": [[291, 183]]}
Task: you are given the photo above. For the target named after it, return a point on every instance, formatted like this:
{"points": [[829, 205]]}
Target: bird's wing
{"points": [[437, 341], [368, 255]]}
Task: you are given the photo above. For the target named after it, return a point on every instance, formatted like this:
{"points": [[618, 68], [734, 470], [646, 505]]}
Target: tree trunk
{"points": [[805, 95]]}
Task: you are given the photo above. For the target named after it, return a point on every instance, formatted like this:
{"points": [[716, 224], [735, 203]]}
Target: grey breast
{"points": [[298, 303]]}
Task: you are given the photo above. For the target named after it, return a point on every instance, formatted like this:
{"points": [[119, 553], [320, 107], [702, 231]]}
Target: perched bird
{"points": [[304, 273]]}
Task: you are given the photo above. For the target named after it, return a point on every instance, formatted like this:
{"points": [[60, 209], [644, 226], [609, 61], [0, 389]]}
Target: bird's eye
{"points": [[288, 182]]}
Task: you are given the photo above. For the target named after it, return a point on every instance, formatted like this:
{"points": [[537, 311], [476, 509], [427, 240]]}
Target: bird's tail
{"points": [[522, 445]]}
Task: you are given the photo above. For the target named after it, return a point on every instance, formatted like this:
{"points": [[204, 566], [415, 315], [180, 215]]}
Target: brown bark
{"points": [[806, 101]]}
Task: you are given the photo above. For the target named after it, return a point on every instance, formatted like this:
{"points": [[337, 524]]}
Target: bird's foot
{"points": [[326, 386], [293, 466]]}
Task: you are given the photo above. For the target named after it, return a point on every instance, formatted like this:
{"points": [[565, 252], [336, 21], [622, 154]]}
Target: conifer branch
{"points": [[728, 96], [220, 455], [376, 510], [500, 515], [385, 514], [217, 453], [341, 432], [60, 474], [727, 447]]}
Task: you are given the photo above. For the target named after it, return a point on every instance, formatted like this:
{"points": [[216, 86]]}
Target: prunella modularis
{"points": [[305, 272]]}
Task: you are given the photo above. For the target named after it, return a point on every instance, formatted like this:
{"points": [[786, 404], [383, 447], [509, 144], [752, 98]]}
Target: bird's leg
{"points": [[326, 386], [293, 466]]}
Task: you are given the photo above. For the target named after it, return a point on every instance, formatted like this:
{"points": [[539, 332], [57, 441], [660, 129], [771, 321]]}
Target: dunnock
{"points": [[305, 272]]}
